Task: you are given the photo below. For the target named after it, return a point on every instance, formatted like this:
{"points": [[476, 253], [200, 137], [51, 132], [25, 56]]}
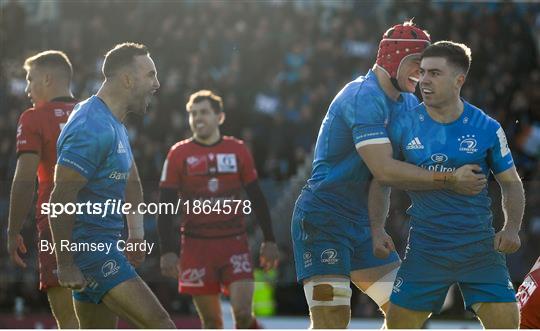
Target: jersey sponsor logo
{"points": [[19, 130], [192, 277], [119, 175], [226, 163], [468, 144], [414, 144], [197, 165], [439, 158], [121, 148], [329, 256], [503, 142], [213, 185], [438, 168], [397, 285], [308, 260], [110, 268], [526, 290]]}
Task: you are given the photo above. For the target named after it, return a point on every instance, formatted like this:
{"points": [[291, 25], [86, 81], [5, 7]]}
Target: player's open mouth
{"points": [[414, 79], [199, 125], [426, 90]]}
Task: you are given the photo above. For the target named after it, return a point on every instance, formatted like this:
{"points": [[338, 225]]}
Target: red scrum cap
{"points": [[397, 43]]}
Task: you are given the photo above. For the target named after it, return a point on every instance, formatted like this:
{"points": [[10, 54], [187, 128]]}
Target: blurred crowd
{"points": [[277, 64]]}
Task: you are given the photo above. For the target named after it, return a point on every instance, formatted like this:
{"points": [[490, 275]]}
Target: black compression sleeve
{"points": [[168, 241], [260, 207]]}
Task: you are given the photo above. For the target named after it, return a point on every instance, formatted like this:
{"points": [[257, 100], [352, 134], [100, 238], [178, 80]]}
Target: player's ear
{"points": [[47, 79], [221, 118], [460, 79], [127, 80]]}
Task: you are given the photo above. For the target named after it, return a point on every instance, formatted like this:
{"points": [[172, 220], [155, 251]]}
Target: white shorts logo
{"points": [[109, 268], [308, 261], [240, 263], [329, 256], [192, 277], [397, 285]]}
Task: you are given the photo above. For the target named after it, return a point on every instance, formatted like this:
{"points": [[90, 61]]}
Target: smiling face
{"points": [[440, 82], [144, 83], [204, 121], [408, 73]]}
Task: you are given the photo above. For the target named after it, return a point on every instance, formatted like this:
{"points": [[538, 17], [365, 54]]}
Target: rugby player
{"points": [[330, 225], [95, 164], [528, 297], [48, 80], [212, 170], [451, 239]]}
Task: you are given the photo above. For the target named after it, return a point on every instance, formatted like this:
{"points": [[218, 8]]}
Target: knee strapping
{"points": [[380, 290], [328, 293]]}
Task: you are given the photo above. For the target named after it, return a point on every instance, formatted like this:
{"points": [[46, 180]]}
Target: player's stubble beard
{"points": [[139, 105]]}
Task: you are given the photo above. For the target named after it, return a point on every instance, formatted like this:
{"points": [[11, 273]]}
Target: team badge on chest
{"points": [[468, 144], [226, 163]]}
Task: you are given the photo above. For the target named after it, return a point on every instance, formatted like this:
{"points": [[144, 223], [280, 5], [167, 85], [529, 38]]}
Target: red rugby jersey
{"points": [[212, 175], [528, 297], [37, 132]]}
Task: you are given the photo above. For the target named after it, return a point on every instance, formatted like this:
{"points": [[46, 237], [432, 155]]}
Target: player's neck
{"points": [[385, 83], [59, 93], [211, 140], [117, 107], [447, 113]]}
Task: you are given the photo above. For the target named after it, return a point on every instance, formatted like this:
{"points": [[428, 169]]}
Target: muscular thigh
{"points": [[95, 316]]}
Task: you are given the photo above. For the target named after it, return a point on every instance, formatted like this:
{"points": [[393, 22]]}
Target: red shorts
{"points": [[208, 266], [47, 264]]}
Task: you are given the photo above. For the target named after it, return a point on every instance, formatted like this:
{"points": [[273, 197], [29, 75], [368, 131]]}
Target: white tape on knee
{"points": [[338, 293], [380, 290]]}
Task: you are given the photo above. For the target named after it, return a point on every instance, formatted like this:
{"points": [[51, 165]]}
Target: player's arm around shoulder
{"points": [[513, 205]]}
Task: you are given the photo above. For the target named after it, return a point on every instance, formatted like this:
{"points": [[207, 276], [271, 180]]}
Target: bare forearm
{"points": [[62, 226], [22, 196], [378, 205], [409, 177], [135, 221], [513, 204]]}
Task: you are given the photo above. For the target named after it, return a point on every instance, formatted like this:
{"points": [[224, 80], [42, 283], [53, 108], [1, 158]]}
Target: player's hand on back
{"points": [[169, 265], [269, 255], [382, 243], [70, 276], [507, 241], [15, 244], [468, 180], [136, 257]]}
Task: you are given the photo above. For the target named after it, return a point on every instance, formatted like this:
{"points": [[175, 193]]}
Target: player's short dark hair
{"points": [[50, 59], [215, 100], [458, 55], [122, 55]]}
